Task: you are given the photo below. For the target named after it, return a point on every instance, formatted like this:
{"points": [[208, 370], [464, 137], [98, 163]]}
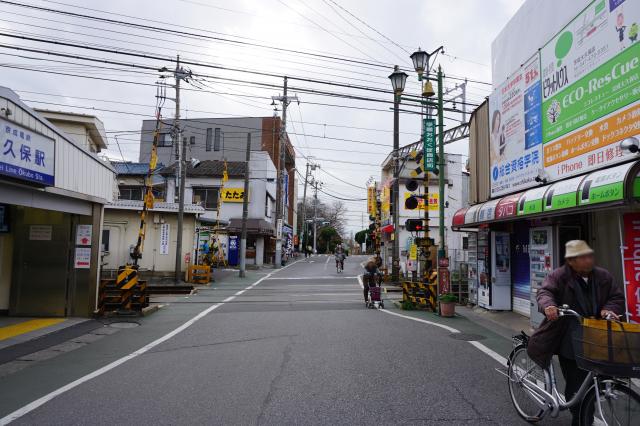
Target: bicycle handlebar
{"points": [[565, 311]]}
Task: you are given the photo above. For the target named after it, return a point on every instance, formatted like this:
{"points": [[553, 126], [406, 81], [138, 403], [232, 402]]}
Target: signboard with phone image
{"points": [[604, 185], [531, 201], [562, 195]]}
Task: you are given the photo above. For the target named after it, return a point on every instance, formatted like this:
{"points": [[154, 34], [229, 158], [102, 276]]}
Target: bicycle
{"points": [[601, 396], [339, 265]]}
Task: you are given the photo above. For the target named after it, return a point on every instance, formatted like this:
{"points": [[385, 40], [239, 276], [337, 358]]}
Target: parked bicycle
{"points": [[609, 350]]}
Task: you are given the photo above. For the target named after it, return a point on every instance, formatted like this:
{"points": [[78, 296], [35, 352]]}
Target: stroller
{"points": [[375, 294]]}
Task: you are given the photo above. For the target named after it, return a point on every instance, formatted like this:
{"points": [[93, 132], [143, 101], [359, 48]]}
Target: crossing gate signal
{"points": [[418, 157]]}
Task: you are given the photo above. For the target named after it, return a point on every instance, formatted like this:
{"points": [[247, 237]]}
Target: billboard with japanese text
{"points": [[590, 89], [26, 155], [515, 130]]}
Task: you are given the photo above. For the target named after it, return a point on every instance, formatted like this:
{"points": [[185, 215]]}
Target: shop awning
{"points": [[602, 188]]}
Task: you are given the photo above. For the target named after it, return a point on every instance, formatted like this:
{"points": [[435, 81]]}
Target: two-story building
{"points": [[52, 195]]}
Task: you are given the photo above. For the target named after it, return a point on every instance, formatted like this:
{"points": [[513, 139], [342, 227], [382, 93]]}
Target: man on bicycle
{"points": [[587, 289], [340, 255]]}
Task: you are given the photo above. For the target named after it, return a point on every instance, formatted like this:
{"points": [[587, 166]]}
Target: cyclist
{"points": [[340, 255], [590, 291], [370, 277]]}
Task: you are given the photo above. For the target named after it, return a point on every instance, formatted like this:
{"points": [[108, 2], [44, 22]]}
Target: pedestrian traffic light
{"points": [[414, 225]]}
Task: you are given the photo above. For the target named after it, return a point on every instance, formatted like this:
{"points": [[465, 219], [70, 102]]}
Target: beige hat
{"points": [[575, 248]]}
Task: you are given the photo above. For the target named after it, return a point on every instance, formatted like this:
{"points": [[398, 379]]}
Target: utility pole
{"points": [[280, 195], [303, 233], [181, 172], [441, 165], [315, 218], [245, 211], [395, 255]]}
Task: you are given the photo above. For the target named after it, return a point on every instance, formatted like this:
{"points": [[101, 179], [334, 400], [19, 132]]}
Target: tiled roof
{"points": [[129, 168], [157, 206], [210, 168]]}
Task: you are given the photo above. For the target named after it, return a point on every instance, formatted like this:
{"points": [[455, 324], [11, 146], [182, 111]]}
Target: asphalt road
{"points": [[297, 348]]}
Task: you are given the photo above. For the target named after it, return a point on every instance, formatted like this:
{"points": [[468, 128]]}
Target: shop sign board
{"points": [[82, 259], [590, 90], [604, 185], [83, 235], [164, 238], [429, 135], [26, 155], [515, 130], [232, 195], [631, 265], [562, 195], [40, 232], [488, 211], [507, 206], [531, 201], [372, 207], [444, 280]]}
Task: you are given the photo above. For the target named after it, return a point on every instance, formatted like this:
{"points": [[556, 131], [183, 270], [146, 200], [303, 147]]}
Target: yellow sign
{"points": [[385, 201], [433, 201], [372, 207], [232, 195], [413, 252]]}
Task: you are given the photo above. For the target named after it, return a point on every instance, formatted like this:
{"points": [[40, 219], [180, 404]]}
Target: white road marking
{"points": [[326, 263], [360, 282], [493, 354], [313, 278], [48, 397]]}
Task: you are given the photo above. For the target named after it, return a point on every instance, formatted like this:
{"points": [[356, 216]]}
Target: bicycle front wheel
{"points": [[524, 375], [619, 405]]}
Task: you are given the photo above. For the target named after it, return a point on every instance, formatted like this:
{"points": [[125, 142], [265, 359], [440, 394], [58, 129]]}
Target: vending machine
{"points": [[495, 291], [542, 260]]}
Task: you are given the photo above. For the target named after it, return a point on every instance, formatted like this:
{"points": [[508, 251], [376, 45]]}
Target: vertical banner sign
{"points": [[591, 89], [372, 207], [515, 130], [429, 134], [631, 265], [164, 238]]}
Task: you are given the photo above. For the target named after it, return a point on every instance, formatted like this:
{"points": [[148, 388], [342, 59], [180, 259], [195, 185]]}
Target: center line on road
{"points": [[48, 397]]}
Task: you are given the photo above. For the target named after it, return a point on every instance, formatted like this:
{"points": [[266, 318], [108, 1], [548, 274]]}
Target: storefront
{"points": [[52, 194], [520, 238]]}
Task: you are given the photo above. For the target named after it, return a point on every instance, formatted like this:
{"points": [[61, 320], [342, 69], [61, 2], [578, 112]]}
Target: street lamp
{"points": [[398, 81], [420, 60]]}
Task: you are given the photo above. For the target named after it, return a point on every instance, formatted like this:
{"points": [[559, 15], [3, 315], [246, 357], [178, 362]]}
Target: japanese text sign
{"points": [[429, 135], [26, 155], [232, 195]]}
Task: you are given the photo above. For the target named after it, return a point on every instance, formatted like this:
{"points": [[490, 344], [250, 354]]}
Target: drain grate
{"points": [[124, 324], [468, 337]]}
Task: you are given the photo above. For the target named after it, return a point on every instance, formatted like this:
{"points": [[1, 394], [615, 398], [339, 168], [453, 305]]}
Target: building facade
{"points": [[52, 196], [567, 167]]}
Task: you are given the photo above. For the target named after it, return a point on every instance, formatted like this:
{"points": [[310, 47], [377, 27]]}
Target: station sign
{"points": [[26, 155]]}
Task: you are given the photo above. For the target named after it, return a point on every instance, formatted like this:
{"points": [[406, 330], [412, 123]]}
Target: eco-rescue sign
{"points": [[590, 89]]}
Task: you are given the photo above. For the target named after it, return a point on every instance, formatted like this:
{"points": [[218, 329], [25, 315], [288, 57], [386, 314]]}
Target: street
{"points": [[299, 347]]}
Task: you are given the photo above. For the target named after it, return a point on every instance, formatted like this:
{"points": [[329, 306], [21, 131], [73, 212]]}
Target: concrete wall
{"points": [[124, 225], [232, 145]]}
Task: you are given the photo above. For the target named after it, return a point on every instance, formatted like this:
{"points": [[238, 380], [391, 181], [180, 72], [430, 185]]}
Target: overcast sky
{"points": [[464, 27]]}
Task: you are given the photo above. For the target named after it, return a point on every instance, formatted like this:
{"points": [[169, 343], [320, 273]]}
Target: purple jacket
{"points": [[559, 288]]}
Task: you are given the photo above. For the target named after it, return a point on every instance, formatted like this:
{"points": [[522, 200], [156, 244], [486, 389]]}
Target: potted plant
{"points": [[448, 304]]}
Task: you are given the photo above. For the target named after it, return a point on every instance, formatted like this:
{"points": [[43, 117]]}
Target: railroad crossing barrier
{"points": [[199, 274], [124, 295], [421, 294]]}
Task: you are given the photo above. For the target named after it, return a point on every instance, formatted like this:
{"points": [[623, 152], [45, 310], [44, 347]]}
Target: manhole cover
{"points": [[466, 336], [124, 324]]}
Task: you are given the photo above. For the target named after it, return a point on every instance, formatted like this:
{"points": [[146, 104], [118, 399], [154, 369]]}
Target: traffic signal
{"points": [[411, 185], [411, 203], [414, 225]]}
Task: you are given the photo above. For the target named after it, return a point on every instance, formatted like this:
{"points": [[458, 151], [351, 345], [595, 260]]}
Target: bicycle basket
{"points": [[608, 348]]}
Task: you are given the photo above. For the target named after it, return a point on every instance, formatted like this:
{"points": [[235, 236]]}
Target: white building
{"points": [[52, 196]]}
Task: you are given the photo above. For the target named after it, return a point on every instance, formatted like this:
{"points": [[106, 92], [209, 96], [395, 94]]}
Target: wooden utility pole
{"points": [[245, 211]]}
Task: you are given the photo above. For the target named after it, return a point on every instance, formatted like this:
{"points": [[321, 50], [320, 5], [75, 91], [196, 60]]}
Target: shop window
{"points": [[106, 233], [165, 139], [130, 192], [216, 140], [206, 197], [208, 141]]}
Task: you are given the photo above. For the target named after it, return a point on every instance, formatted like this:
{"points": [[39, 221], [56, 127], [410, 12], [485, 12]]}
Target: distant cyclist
{"points": [[340, 255]]}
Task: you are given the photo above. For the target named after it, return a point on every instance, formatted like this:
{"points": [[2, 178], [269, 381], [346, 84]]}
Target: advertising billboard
{"points": [[515, 130], [590, 89]]}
